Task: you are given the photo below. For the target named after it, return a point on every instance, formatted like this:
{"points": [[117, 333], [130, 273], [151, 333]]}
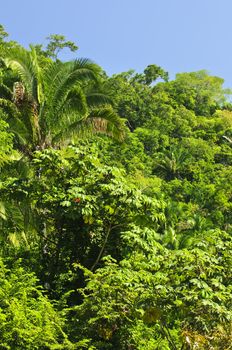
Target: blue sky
{"points": [[179, 35]]}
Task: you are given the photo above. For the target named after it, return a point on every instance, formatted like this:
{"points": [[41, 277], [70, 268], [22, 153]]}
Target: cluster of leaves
{"points": [[112, 243], [28, 318], [156, 298]]}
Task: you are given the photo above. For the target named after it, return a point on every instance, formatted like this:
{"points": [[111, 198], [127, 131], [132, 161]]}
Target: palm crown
{"points": [[56, 102]]}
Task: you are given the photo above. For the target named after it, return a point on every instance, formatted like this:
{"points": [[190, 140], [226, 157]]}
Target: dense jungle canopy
{"points": [[115, 205]]}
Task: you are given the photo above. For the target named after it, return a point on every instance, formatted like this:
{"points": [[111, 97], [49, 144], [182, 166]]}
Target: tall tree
{"points": [[57, 43]]}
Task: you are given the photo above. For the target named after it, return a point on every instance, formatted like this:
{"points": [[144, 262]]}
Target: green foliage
{"points": [[79, 208], [130, 99], [28, 318], [57, 43], [7, 153], [3, 33], [131, 238], [197, 91], [156, 297], [150, 74]]}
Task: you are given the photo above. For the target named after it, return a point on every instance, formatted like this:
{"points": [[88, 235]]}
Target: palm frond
{"points": [[18, 128], [96, 99], [107, 121], [9, 107], [74, 109], [61, 79], [104, 121], [5, 92], [37, 91], [72, 74], [73, 132], [76, 102], [25, 65]]}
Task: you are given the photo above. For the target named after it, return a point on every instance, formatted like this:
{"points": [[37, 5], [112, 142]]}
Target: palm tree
{"points": [[170, 163], [57, 102]]}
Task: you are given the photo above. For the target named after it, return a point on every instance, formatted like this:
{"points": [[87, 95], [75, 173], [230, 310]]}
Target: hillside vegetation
{"points": [[115, 205]]}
